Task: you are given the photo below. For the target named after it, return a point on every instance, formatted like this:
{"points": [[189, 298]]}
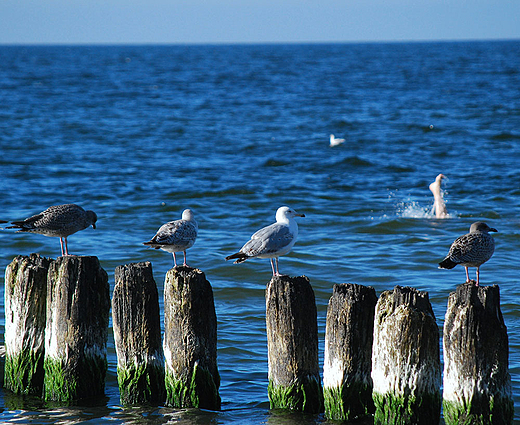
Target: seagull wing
{"points": [[268, 240]]}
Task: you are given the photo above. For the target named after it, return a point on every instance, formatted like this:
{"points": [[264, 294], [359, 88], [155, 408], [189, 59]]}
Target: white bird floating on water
{"points": [[176, 236], [272, 241], [334, 141], [58, 221], [439, 206], [471, 250]]}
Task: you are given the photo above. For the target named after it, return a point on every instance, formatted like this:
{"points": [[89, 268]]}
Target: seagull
{"points": [[472, 249], [58, 221], [271, 241], [334, 141], [439, 206], [176, 236]]}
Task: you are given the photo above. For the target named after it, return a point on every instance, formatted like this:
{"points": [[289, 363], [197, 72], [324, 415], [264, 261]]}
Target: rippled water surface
{"points": [[137, 134]]}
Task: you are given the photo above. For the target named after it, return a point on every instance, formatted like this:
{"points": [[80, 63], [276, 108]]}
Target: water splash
{"points": [[413, 209]]}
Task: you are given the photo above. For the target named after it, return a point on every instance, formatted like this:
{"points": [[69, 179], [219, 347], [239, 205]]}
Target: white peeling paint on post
{"points": [[333, 371]]}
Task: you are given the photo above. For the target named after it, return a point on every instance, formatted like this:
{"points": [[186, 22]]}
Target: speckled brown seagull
{"points": [[58, 221], [472, 249], [176, 236]]}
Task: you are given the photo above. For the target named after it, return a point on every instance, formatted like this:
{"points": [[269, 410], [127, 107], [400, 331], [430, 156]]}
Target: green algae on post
{"points": [[78, 305], [292, 345], [199, 391], [25, 319], [66, 382], [137, 335], [190, 340], [143, 384], [347, 384], [406, 359], [477, 383], [304, 395]]}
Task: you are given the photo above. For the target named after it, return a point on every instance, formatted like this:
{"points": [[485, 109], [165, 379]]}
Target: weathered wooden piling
{"points": [[78, 308], [25, 318], [477, 384], [406, 359], [137, 334], [190, 340], [347, 381], [292, 343]]}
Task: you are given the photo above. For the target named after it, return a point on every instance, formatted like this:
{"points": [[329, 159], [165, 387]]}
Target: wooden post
{"points": [[78, 308], [347, 381], [406, 359], [190, 340], [25, 304], [292, 343], [137, 334], [477, 384]]}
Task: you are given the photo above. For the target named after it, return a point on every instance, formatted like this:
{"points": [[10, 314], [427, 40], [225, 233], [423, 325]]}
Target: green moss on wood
{"points": [[348, 401], [67, 382], [141, 384], [23, 373], [304, 396], [200, 392], [396, 410], [495, 410]]}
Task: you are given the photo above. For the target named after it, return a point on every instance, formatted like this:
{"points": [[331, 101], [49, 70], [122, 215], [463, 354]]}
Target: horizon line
{"points": [[251, 43]]}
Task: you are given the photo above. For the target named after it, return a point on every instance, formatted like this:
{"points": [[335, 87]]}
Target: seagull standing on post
{"points": [[58, 221], [272, 241], [176, 236], [471, 250]]}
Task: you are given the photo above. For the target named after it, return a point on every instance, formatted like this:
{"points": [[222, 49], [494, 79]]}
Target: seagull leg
{"points": [[467, 275], [184, 258], [174, 260], [272, 266], [276, 262], [478, 276], [66, 246]]}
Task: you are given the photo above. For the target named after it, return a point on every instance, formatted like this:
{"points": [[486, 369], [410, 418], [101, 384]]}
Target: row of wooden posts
{"points": [[382, 356]]}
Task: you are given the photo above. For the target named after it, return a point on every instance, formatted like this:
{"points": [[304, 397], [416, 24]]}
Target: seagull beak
{"points": [[300, 215], [492, 229], [93, 225]]}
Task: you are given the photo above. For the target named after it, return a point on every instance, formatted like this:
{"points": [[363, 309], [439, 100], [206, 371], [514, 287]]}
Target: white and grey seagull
{"points": [[58, 221], [176, 236], [471, 250], [271, 241]]}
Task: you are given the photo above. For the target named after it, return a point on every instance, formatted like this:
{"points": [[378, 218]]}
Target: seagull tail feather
{"points": [[447, 264], [239, 256]]}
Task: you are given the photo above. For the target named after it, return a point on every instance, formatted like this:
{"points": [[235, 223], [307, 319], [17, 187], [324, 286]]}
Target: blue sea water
{"points": [[138, 133]]}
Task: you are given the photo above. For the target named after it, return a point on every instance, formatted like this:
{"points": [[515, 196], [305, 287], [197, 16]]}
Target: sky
{"points": [[259, 21]]}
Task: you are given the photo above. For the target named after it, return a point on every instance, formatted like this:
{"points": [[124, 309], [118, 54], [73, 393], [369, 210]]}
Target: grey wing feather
{"points": [[269, 239], [175, 232]]}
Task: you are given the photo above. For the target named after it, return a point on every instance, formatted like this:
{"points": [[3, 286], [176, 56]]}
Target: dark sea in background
{"points": [[138, 133]]}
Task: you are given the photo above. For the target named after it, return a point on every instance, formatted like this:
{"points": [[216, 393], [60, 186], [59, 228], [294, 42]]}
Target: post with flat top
{"points": [[137, 334], [406, 367], [190, 340], [347, 383], [292, 343], [477, 383], [78, 308], [25, 317]]}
